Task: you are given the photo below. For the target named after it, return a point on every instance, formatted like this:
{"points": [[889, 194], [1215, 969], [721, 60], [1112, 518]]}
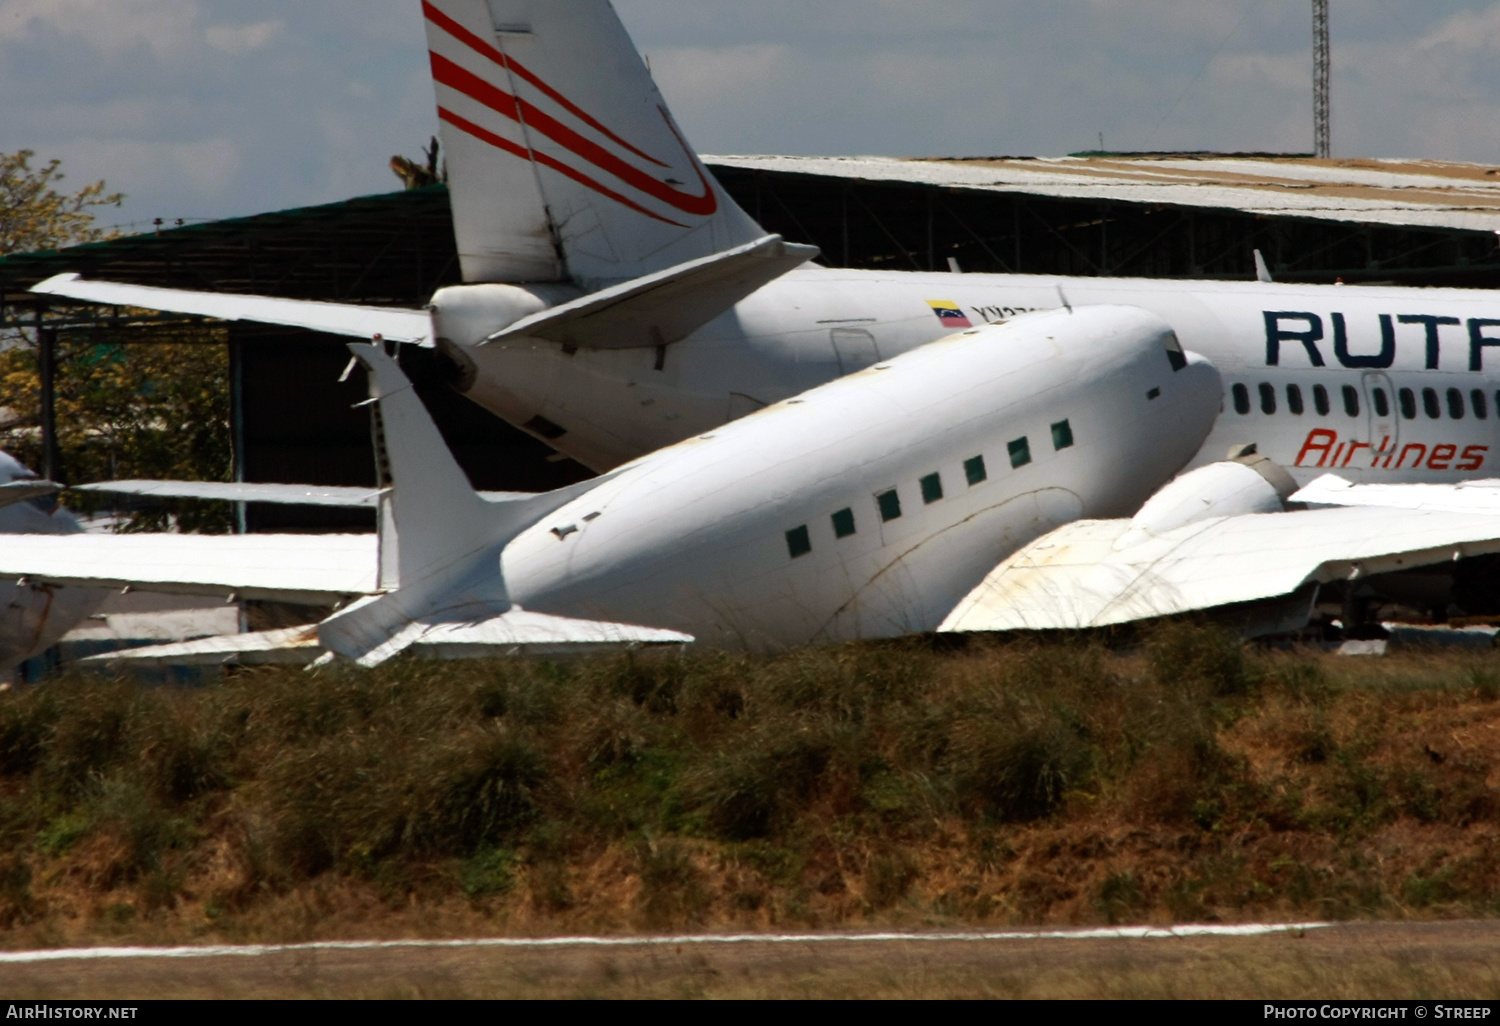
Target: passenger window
{"points": [[1020, 453], [1481, 408], [890, 505], [1455, 404], [1382, 404], [974, 471], [1320, 400], [798, 542], [1408, 404], [932, 488], [1294, 400], [1241, 400], [843, 523], [1062, 436], [1351, 401], [1430, 403], [1267, 399]]}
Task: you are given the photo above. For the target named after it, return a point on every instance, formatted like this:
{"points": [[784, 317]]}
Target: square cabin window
{"points": [[798, 542], [1062, 436], [1020, 453], [890, 505], [843, 523], [975, 472], [932, 488]]}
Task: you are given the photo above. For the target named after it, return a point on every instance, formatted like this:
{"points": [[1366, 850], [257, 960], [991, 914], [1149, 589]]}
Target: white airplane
{"points": [[943, 489], [35, 614], [616, 300]]}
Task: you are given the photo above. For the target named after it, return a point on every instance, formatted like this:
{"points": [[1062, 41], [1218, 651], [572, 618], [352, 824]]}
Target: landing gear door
{"points": [[855, 349], [1384, 416]]}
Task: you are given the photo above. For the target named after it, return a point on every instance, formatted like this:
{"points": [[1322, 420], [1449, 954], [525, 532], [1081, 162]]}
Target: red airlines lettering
{"points": [[1324, 449]]}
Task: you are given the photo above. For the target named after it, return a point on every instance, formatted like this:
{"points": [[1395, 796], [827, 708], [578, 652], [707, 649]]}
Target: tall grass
{"points": [[1010, 780]]}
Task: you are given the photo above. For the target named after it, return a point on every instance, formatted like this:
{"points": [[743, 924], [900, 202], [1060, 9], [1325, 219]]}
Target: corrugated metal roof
{"points": [[1408, 193]]}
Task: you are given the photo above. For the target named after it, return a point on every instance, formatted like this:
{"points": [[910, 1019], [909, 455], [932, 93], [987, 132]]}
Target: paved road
{"points": [[1368, 960]]}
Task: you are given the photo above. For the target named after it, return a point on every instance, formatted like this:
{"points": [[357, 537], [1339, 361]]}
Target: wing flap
{"points": [[309, 569], [664, 307], [394, 324], [1080, 576]]}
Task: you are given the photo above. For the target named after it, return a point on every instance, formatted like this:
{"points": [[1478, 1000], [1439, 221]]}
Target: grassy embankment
{"points": [[841, 788]]}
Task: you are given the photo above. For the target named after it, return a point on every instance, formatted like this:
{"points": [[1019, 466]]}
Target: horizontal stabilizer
{"points": [[1463, 497], [281, 494], [392, 323], [519, 632], [515, 633], [665, 307], [302, 568], [292, 646], [1081, 575]]}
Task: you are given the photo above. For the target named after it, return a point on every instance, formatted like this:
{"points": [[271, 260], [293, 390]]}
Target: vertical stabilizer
{"points": [[429, 512], [563, 160]]}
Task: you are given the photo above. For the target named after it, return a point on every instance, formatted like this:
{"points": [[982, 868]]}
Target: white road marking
{"points": [[257, 950]]}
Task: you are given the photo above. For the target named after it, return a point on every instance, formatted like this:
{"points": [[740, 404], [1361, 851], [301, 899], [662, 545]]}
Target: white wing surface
{"points": [[283, 494], [1082, 576], [1465, 497], [310, 569], [394, 324]]}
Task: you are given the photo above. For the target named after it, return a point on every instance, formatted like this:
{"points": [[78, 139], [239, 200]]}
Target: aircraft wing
{"points": [[283, 494], [1084, 575], [310, 569], [393, 323], [517, 632], [664, 307], [1464, 497], [19, 491]]}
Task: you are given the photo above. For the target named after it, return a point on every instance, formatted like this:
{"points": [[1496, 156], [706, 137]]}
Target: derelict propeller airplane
{"points": [[944, 489]]}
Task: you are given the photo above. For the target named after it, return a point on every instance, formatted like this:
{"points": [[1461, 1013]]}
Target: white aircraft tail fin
{"points": [[563, 160], [439, 539]]}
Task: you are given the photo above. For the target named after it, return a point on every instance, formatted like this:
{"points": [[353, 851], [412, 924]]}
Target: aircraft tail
{"points": [[563, 160]]}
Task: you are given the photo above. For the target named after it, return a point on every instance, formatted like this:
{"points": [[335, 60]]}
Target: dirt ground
{"points": [[1354, 961]]}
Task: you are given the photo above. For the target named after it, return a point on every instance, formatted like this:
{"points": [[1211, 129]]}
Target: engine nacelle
{"points": [[1246, 483], [469, 314]]}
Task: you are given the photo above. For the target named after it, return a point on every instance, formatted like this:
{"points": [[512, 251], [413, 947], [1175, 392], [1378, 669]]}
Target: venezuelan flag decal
{"points": [[949, 313]]}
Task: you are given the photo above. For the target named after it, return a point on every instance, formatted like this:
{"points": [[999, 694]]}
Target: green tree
{"points": [[35, 216], [142, 402]]}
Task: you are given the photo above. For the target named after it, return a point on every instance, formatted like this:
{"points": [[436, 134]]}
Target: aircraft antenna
{"points": [[1322, 65]]}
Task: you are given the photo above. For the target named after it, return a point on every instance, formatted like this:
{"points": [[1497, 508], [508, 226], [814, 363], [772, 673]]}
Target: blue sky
{"points": [[210, 108]]}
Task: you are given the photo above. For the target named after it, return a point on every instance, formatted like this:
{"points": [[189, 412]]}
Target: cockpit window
{"points": [[1175, 356]]}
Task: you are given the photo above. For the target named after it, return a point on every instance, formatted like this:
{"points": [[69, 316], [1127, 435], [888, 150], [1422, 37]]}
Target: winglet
{"points": [[1262, 272]]}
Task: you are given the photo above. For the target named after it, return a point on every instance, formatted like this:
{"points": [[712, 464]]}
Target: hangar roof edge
{"points": [[1403, 193]]}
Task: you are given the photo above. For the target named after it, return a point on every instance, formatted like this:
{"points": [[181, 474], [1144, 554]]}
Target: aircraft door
{"points": [[855, 348], [1382, 412]]}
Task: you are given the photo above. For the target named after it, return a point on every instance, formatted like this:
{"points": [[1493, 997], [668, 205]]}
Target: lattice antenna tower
{"points": [[1322, 64]]}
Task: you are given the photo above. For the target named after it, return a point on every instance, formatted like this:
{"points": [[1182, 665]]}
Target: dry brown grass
{"points": [[890, 785]]}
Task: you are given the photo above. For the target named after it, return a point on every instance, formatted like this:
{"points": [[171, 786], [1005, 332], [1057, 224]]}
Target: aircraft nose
{"points": [[1197, 390]]}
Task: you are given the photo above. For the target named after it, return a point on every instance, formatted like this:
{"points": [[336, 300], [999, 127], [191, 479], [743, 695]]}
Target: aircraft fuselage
{"points": [[1381, 384]]}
